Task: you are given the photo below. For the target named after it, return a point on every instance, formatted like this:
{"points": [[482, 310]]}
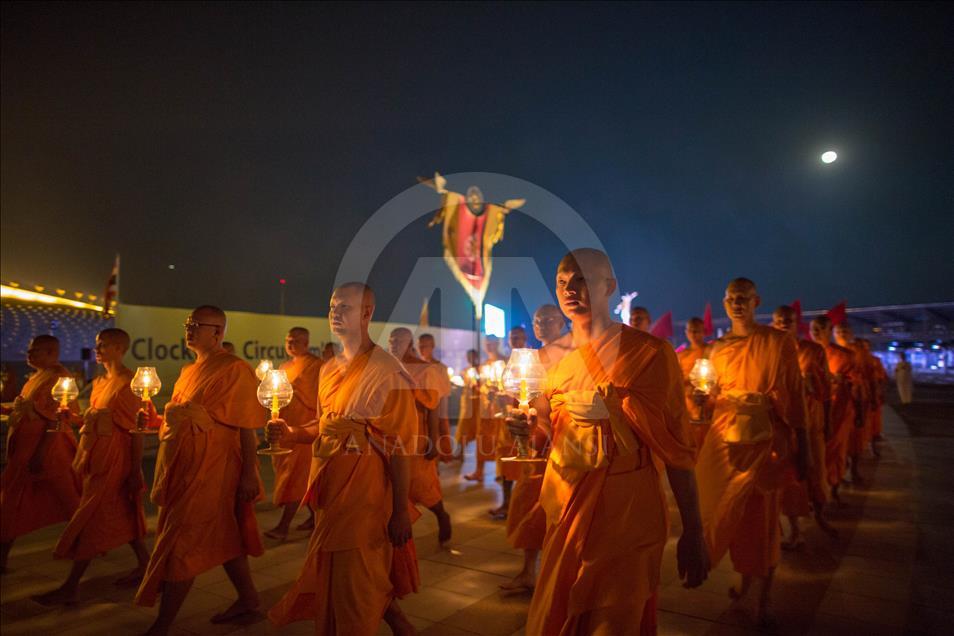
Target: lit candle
{"points": [[523, 378], [274, 393], [64, 392], [704, 379], [145, 385]]}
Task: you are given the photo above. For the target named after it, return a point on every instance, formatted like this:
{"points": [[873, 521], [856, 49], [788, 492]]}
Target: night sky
{"points": [[244, 143]]}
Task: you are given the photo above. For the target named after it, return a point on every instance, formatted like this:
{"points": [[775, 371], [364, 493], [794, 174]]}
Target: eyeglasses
{"points": [[191, 325]]}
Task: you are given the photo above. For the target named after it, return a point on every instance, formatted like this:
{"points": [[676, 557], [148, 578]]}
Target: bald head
{"points": [[548, 323], [111, 346], [696, 332], [517, 338], [400, 342], [205, 329], [820, 330], [740, 302], [639, 318], [785, 319], [43, 352], [350, 311], [843, 334], [426, 345], [116, 336], [296, 342], [584, 284]]}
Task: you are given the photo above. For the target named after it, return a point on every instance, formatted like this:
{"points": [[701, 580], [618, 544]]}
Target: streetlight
{"points": [[829, 156]]}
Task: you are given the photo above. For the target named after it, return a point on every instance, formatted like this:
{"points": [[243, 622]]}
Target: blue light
{"points": [[495, 321]]}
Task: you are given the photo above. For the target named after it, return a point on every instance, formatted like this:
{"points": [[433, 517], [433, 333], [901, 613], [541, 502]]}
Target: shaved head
{"points": [[400, 342], [639, 318], [367, 294], [116, 336], [695, 322], [784, 311], [210, 314], [822, 321], [299, 331], [548, 323], [43, 352], [785, 319], [696, 332], [590, 261], [741, 284], [46, 342]]}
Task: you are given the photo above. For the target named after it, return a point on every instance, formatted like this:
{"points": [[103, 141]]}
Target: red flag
{"points": [[112, 289], [707, 327], [838, 313], [662, 328]]}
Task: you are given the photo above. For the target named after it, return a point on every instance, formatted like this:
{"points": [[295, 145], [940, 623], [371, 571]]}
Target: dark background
{"points": [[243, 143]]}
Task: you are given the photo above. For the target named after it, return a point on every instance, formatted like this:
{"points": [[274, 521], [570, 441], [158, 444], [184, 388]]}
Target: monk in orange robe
{"points": [[38, 486], [757, 432], [640, 319], [291, 471], [431, 384], [841, 416], [359, 482], [207, 478], [605, 506], [109, 461], [445, 443], [476, 415], [697, 349], [801, 498], [877, 396], [507, 472], [862, 389], [526, 519]]}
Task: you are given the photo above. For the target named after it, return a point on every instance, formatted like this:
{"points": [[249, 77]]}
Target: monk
{"points": [[841, 418], [359, 481], [431, 384], [38, 486], [507, 472], [291, 471], [109, 462], [476, 418], [640, 319], [606, 512], [445, 444], [229, 347], [526, 519], [758, 412], [879, 382], [329, 351], [861, 393], [801, 498], [207, 477], [697, 349]]}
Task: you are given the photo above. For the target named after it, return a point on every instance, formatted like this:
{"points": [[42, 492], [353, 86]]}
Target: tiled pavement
{"points": [[890, 572]]}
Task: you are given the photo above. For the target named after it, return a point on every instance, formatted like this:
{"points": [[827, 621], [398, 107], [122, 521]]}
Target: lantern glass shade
{"points": [[703, 376], [524, 376], [263, 367], [65, 390], [146, 383], [275, 389]]}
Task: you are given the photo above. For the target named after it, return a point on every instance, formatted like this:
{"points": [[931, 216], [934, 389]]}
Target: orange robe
{"points": [[475, 421], [817, 384], [445, 445], [608, 525], [842, 415], [366, 412], [198, 468], [431, 384], [687, 359], [877, 402], [108, 515], [864, 391], [291, 471], [30, 501], [739, 484]]}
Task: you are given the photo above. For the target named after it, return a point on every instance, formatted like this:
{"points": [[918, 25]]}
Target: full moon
{"points": [[829, 156]]}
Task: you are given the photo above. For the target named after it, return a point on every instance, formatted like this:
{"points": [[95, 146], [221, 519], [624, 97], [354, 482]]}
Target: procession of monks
{"points": [[367, 428]]}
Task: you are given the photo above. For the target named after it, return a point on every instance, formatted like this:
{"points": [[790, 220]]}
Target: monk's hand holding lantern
{"points": [[274, 393], [523, 379], [145, 385], [704, 380], [64, 392]]}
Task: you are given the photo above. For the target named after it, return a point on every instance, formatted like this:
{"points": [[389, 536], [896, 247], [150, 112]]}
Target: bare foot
{"points": [[132, 579], [474, 477], [238, 609], [443, 528], [59, 596], [523, 581], [278, 533], [307, 524], [397, 621]]}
